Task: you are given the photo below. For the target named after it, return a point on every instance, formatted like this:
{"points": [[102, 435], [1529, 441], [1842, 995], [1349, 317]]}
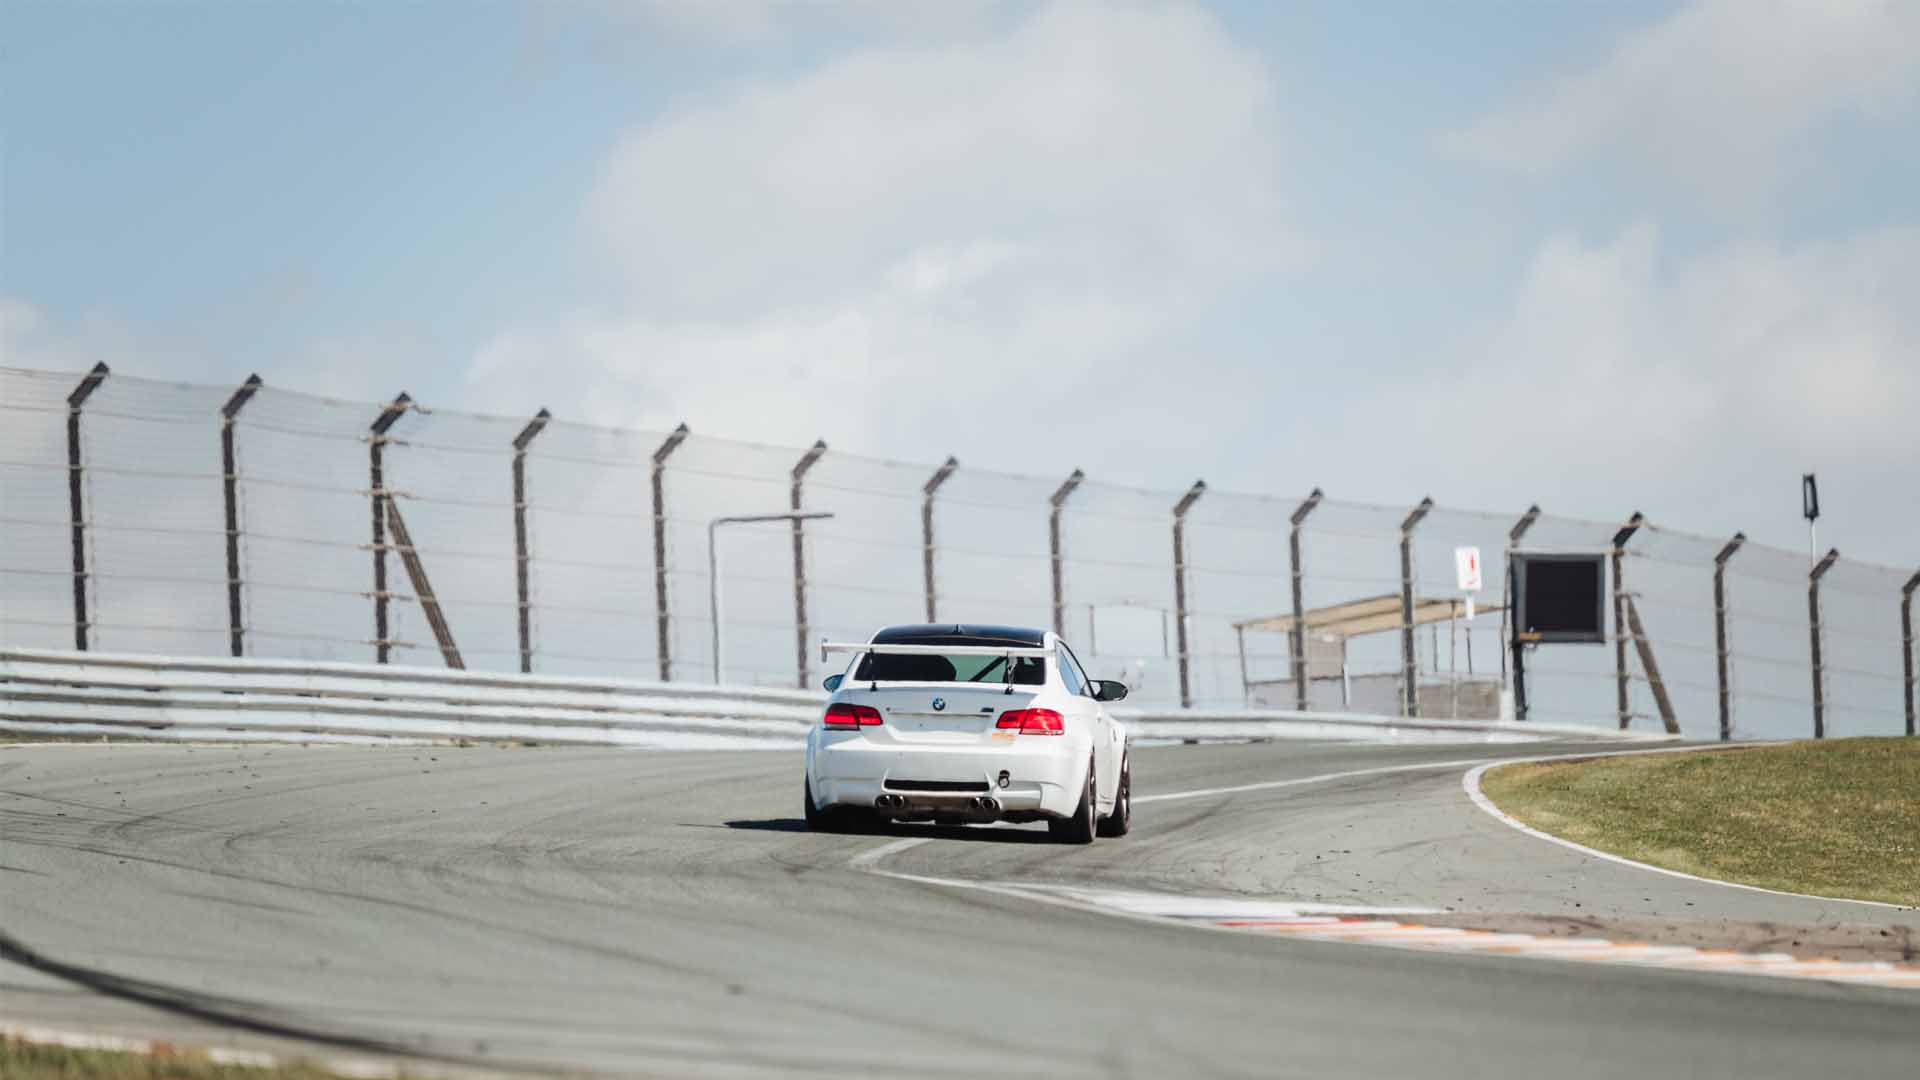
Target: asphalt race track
{"points": [[635, 912]]}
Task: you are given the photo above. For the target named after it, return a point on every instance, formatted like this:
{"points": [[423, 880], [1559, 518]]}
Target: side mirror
{"points": [[1109, 690], [833, 681]]}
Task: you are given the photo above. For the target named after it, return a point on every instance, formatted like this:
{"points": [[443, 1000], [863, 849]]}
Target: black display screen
{"points": [[1562, 597]]}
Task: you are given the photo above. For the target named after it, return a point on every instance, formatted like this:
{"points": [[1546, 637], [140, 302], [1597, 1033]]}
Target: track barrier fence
{"points": [[198, 521]]}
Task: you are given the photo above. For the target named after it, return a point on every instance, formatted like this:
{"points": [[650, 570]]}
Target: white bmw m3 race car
{"points": [[957, 724]]}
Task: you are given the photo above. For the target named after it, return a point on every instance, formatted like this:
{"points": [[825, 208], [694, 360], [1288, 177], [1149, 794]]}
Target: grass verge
{"points": [[1839, 817], [21, 1060]]}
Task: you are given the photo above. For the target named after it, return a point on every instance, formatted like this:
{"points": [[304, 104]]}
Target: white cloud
{"points": [[1722, 100], [1696, 388], [758, 21], [1013, 212]]}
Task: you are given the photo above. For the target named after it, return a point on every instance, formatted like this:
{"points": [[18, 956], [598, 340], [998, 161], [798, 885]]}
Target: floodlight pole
{"points": [[1180, 509], [1724, 654], [713, 569], [1409, 662], [76, 501], [1813, 632], [927, 491], [1509, 630], [376, 444], [800, 468], [1055, 503], [521, 561], [230, 498], [1298, 639], [1906, 642], [663, 627]]}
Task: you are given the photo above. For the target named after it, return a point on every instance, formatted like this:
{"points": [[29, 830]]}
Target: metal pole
{"points": [[387, 418], [1512, 640], [1620, 539], [713, 570], [1724, 653], [230, 492], [76, 501], [520, 558], [663, 639], [1240, 642], [1906, 641], [800, 562], [1453, 675], [1297, 641], [1180, 586], [1409, 662], [926, 527], [713, 595], [1055, 503], [1813, 630]]}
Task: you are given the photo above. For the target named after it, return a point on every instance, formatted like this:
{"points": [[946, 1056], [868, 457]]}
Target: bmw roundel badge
{"points": [[939, 703]]}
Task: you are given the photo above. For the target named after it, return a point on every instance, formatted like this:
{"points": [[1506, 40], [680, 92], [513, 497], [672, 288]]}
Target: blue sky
{"points": [[1603, 257]]}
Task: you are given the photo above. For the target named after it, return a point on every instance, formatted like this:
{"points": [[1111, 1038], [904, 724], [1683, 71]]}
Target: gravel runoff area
{"points": [[1838, 817]]}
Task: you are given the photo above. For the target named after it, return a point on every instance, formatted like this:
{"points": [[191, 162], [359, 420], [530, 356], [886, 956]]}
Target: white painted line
{"points": [[1471, 783], [866, 859], [1269, 785]]}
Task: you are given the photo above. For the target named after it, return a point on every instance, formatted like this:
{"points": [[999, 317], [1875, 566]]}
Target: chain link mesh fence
{"points": [[149, 570]]}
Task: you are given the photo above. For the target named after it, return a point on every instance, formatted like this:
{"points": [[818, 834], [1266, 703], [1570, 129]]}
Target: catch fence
{"points": [[142, 516]]}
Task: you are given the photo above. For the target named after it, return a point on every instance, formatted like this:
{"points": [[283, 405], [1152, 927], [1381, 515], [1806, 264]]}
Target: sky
{"points": [[1601, 257]]}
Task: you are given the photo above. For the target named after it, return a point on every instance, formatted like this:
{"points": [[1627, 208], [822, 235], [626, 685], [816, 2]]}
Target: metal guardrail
{"points": [[91, 694]]}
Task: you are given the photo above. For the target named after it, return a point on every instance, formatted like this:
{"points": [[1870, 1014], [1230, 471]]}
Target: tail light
{"points": [[846, 717], [1032, 722]]}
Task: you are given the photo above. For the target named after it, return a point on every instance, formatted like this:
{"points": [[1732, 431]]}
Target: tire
{"points": [[837, 819], [1121, 820], [817, 820], [1080, 828]]}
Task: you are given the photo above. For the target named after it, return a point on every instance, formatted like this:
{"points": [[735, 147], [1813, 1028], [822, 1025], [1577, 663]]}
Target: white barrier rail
{"points": [[92, 694]]}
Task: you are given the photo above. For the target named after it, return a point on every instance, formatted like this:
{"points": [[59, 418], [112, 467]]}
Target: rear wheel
{"points": [[1079, 829], [837, 819], [1118, 822], [816, 818]]}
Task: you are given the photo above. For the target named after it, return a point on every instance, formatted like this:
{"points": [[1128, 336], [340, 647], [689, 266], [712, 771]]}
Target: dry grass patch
{"points": [[21, 1060], [1840, 817]]}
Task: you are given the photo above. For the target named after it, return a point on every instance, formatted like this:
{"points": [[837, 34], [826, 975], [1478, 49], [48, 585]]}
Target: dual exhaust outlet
{"points": [[979, 804]]}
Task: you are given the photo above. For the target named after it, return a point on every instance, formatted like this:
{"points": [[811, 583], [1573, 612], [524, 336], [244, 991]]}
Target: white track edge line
{"points": [[1470, 782]]}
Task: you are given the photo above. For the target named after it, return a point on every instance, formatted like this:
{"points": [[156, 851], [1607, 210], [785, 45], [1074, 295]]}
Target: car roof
{"points": [[960, 634]]}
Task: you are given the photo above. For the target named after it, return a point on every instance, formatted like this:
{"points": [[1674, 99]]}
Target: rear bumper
{"points": [[1042, 782]]}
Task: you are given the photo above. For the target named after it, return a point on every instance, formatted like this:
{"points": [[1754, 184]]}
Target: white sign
{"points": [[1466, 568]]}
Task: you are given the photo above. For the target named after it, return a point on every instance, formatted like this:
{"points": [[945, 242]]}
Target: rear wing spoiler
{"points": [[1009, 651]]}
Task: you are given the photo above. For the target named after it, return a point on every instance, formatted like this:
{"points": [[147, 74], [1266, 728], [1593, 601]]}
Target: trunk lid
{"points": [[951, 713]]}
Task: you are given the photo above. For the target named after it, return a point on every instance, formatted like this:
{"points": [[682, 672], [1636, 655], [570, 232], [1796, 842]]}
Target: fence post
{"points": [[1620, 631], [520, 560], [800, 562], [662, 621], [1507, 602], [1055, 503], [1813, 632], [1723, 653], [1180, 509], [387, 418], [230, 495], [1906, 641], [76, 501], [926, 525], [1298, 639], [1409, 663]]}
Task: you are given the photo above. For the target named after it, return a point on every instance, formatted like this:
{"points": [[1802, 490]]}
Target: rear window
{"points": [[934, 667]]}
